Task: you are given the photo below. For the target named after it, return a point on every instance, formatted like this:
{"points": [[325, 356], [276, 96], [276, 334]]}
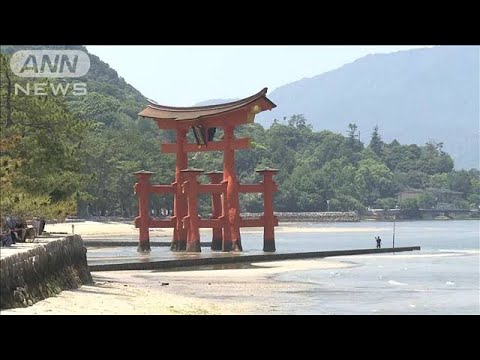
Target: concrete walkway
{"points": [[24, 247], [164, 260]]}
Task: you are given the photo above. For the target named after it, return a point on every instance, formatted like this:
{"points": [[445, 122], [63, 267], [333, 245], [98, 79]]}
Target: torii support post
{"points": [[142, 188], [268, 219], [231, 204], [179, 241], [216, 177], [191, 189]]}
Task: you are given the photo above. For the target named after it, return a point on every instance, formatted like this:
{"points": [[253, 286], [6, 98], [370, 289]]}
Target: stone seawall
{"points": [[331, 216], [43, 271]]}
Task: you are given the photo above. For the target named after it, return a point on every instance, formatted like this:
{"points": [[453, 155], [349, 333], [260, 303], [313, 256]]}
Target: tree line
{"points": [[75, 155]]}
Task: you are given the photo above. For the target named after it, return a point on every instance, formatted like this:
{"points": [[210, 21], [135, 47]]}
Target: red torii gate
{"points": [[224, 187]]}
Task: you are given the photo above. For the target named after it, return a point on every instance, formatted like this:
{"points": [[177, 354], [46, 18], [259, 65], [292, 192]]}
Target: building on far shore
{"points": [[409, 194], [444, 198]]}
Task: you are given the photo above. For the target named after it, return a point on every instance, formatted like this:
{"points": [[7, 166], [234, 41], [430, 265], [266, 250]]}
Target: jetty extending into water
{"points": [[192, 260]]}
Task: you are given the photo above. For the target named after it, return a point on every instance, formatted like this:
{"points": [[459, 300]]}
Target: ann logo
{"points": [[50, 63], [58, 65]]}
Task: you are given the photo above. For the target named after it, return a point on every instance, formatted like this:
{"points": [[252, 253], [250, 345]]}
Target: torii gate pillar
{"points": [[142, 189]]}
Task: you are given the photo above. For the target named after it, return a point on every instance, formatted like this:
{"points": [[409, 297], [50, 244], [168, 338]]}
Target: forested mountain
{"points": [[98, 141], [75, 155], [414, 96], [109, 97]]}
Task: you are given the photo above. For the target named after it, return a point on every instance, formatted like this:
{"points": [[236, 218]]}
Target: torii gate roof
{"points": [[157, 111]]}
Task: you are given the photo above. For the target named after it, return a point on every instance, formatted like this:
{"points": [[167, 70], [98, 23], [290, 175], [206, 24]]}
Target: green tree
{"points": [[374, 180], [47, 154], [376, 143], [434, 160], [438, 181], [388, 203], [352, 133], [426, 200], [409, 209], [460, 181]]}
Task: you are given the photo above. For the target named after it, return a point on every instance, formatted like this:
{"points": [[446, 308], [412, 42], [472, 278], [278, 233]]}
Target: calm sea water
{"points": [[442, 278], [430, 235]]}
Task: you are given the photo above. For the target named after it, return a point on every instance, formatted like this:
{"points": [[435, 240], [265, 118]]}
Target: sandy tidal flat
{"points": [[228, 291]]}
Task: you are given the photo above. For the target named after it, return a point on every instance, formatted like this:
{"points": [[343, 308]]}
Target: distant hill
{"points": [[414, 96], [214, 102]]}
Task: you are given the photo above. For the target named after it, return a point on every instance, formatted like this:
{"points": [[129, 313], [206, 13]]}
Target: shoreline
{"points": [[359, 285], [95, 229], [231, 291], [274, 287], [122, 231], [284, 220]]}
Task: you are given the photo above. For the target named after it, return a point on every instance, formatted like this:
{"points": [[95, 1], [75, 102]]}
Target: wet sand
{"points": [[250, 290]]}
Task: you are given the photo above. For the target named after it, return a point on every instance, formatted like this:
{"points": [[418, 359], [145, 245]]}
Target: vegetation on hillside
{"points": [[75, 155], [414, 95]]}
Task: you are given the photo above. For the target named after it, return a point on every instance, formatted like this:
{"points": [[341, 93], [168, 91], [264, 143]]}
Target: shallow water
{"points": [[435, 283], [442, 278], [430, 235]]}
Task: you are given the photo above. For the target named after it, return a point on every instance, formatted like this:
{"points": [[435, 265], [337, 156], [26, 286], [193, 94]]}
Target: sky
{"points": [[186, 75]]}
